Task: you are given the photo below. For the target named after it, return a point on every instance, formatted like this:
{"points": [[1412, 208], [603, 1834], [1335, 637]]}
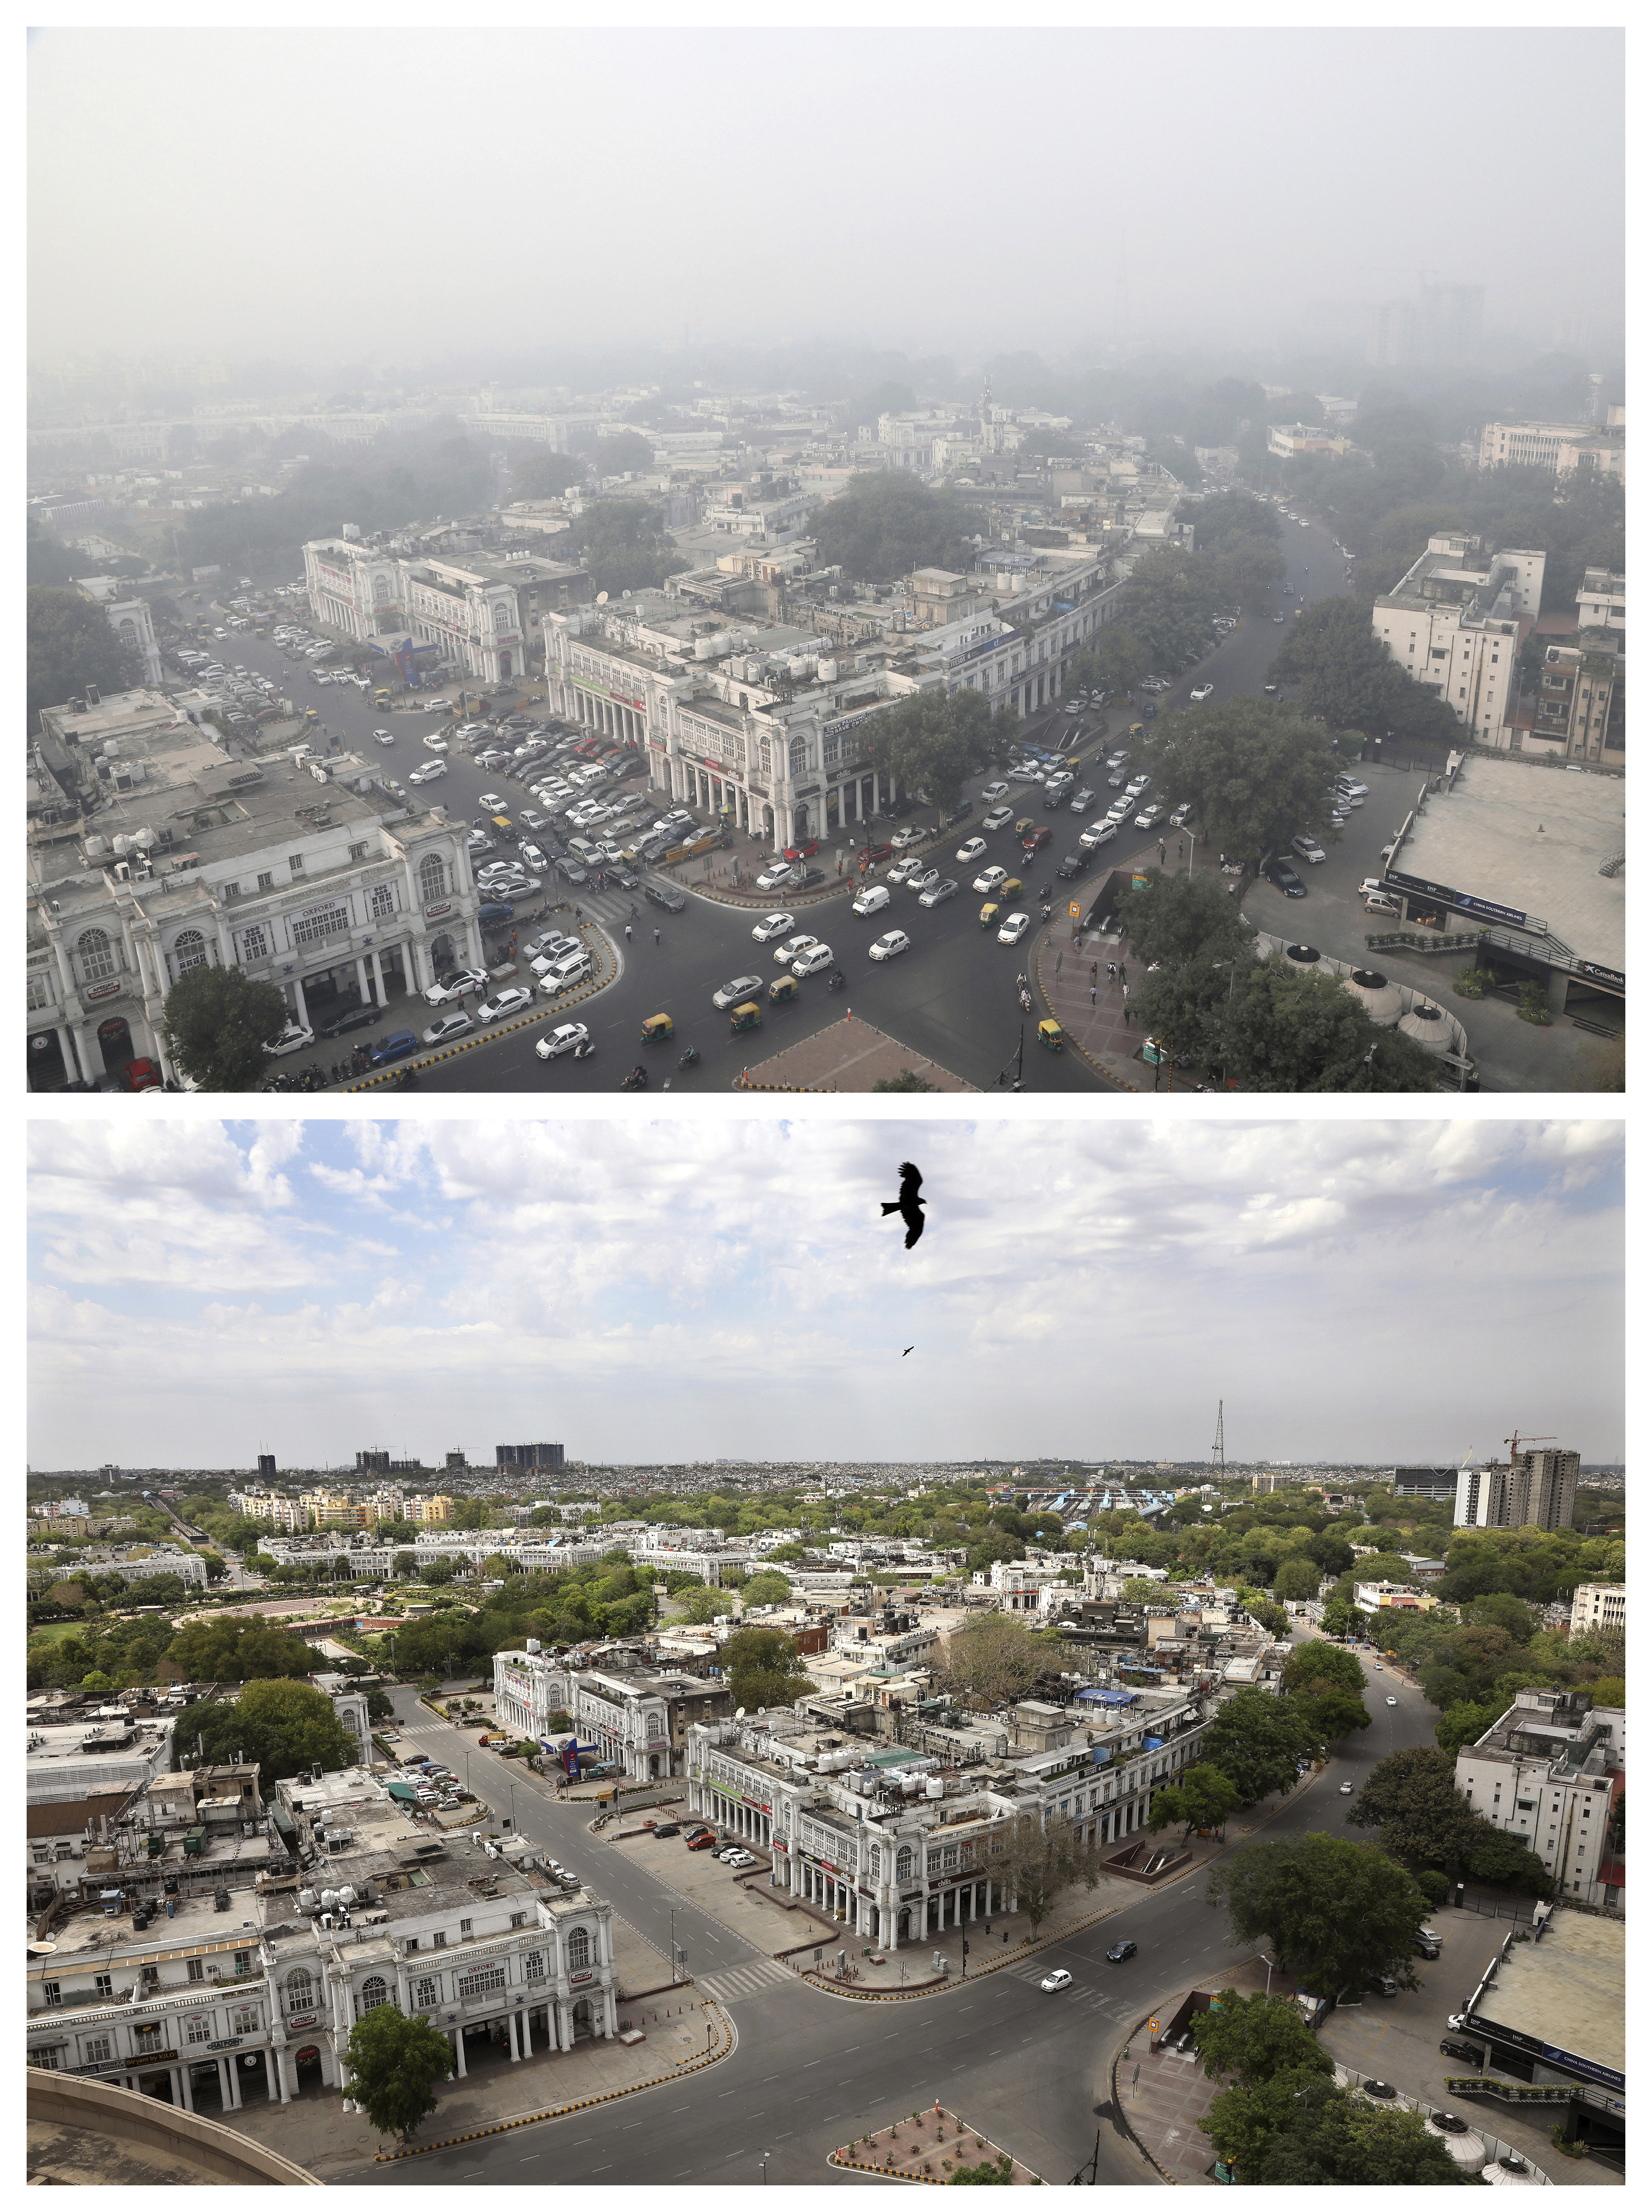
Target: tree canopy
{"points": [[545, 476], [995, 1658], [1346, 674], [931, 743], [1335, 1912], [393, 2063], [763, 1669], [1257, 775], [887, 523], [217, 1025], [1258, 1740], [286, 1726], [68, 643]]}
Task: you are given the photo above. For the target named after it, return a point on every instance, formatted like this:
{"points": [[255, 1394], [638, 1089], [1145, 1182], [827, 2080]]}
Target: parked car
{"points": [[398, 1045], [504, 1004], [1308, 848], [1280, 872], [293, 1038], [448, 1025]]}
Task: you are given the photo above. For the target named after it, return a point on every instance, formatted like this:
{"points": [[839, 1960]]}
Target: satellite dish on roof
{"points": [[602, 599], [740, 1713]]}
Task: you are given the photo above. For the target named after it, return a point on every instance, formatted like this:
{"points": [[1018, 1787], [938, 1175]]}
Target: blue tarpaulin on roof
{"points": [[1109, 1697]]}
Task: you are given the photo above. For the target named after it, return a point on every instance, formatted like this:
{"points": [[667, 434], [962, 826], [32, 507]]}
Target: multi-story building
{"points": [[130, 620], [269, 1505], [1454, 624], [367, 592], [1550, 1771], [91, 1757], [159, 851], [1560, 448], [888, 1824], [1603, 1605], [1536, 1490], [528, 1457], [1287, 440], [637, 1720], [152, 1987], [329, 1509], [1438, 1484]]}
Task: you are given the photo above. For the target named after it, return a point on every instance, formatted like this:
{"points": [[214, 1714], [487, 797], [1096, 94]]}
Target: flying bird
{"points": [[911, 1347], [909, 1205]]}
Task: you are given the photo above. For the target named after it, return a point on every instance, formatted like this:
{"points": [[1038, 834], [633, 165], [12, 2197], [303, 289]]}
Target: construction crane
{"points": [[1513, 1443]]}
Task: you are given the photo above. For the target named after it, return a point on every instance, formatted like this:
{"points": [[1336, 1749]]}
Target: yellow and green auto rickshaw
{"points": [[1010, 890], [782, 987], [748, 1017], [989, 914], [1049, 1036], [1024, 828], [657, 1029]]}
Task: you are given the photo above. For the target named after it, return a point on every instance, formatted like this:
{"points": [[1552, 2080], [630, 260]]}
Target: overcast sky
{"points": [[388, 192], [690, 1290]]}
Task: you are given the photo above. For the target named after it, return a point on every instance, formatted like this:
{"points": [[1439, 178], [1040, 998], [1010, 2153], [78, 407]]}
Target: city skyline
{"points": [[669, 1291]]}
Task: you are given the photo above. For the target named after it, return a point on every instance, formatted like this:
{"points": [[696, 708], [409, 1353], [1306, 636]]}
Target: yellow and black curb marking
{"points": [[489, 1036], [561, 2111], [1022, 1950], [813, 1089]]}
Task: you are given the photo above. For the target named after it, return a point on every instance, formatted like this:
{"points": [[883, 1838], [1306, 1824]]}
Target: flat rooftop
{"points": [[1567, 1987], [1530, 836]]}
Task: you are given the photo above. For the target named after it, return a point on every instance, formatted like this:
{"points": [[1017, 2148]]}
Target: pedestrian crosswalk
{"points": [[1108, 2002], [738, 1982]]}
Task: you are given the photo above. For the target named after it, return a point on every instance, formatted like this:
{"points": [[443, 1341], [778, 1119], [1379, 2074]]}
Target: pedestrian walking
{"points": [[627, 933], [1092, 994], [1179, 849], [656, 937], [1161, 852], [1112, 971], [1123, 977], [1093, 968]]}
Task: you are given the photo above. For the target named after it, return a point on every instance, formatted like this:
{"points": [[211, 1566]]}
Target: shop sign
{"points": [[848, 722], [1602, 974], [435, 913], [111, 989], [1418, 886], [586, 1975], [326, 906], [303, 2019], [225, 2042], [151, 2058]]}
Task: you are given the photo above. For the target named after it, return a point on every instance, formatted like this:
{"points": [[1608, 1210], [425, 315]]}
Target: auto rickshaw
{"points": [[1010, 890], [782, 987], [748, 1017], [1049, 1036], [1024, 828], [989, 914], [657, 1029]]}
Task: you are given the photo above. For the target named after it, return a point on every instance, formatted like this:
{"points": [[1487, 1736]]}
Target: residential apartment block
{"points": [[1454, 623], [1604, 1605], [1536, 1490], [1561, 449], [1550, 1771]]}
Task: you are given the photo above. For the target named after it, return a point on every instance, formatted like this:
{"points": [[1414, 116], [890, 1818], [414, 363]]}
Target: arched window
{"points": [[300, 1990], [96, 955], [502, 617], [903, 1864], [656, 1726], [579, 1950], [129, 630], [432, 879], [373, 1994], [381, 590], [188, 950]]}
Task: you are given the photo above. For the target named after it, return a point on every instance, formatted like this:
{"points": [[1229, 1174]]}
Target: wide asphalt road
{"points": [[811, 2070]]}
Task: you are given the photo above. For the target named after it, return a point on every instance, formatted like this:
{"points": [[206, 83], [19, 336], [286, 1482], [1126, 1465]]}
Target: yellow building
{"points": [[433, 1509], [326, 1509]]}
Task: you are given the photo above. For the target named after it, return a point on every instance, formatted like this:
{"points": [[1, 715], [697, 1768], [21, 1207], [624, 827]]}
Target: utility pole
{"points": [[1218, 1450]]}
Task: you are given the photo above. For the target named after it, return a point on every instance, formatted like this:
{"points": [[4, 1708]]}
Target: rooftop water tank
{"points": [[96, 848], [307, 1901], [122, 846], [827, 672], [348, 1894], [910, 1786], [934, 1787], [329, 1899]]}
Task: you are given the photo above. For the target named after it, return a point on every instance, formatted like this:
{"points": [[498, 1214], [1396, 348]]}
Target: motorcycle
{"points": [[1045, 910], [834, 981], [636, 1080], [584, 1050], [690, 1058]]}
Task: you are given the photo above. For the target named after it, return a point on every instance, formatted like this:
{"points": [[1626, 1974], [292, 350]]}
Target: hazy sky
{"points": [[387, 193], [691, 1289]]}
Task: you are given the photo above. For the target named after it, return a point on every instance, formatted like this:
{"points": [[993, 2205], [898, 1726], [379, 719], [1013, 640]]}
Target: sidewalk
{"points": [[317, 2134], [846, 1055]]}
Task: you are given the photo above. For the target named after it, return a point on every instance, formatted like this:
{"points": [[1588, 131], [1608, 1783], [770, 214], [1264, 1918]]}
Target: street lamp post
{"points": [[763, 2165]]}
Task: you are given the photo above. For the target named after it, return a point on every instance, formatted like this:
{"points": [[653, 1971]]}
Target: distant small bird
{"points": [[911, 1347], [909, 1205]]}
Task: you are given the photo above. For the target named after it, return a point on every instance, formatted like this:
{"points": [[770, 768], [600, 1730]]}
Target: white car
{"points": [[794, 948], [890, 943], [449, 1025], [903, 872], [910, 836], [811, 961], [561, 1039], [560, 975], [429, 773], [774, 879], [504, 1003], [1182, 813], [1058, 1979], [971, 849], [996, 790], [1013, 930], [1394, 1701], [872, 900], [1149, 815], [923, 879], [999, 817], [773, 925], [490, 802], [1201, 690], [293, 1038], [469, 979], [1308, 848], [990, 878]]}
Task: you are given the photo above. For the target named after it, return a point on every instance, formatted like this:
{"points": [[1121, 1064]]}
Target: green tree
{"points": [[1287, 1029], [991, 2173], [1501, 1609], [1328, 2136], [437, 1572], [1331, 1711], [1335, 1912], [1035, 1862], [392, 2065], [887, 523], [46, 561], [286, 1726], [403, 1564], [1317, 1665], [1250, 2040], [70, 645], [96, 1680], [908, 1079], [624, 546], [227, 1649], [1257, 1739], [1347, 675], [1202, 1800], [217, 1025], [1139, 1591], [1463, 1723], [627, 453], [767, 1587], [763, 1670], [932, 742], [704, 1604], [1255, 773], [1502, 1858], [1296, 1578]]}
